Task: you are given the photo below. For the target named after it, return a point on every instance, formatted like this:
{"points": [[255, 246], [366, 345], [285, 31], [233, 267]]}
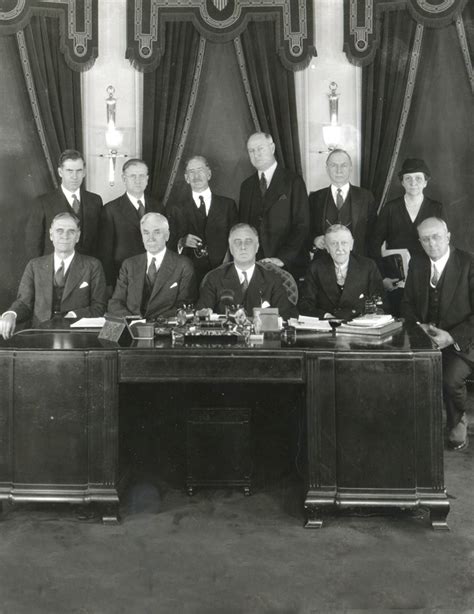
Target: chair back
{"points": [[288, 280]]}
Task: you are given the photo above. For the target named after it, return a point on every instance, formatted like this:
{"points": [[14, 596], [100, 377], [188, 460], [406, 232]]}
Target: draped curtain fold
{"points": [[166, 95], [273, 92], [57, 87], [383, 92]]}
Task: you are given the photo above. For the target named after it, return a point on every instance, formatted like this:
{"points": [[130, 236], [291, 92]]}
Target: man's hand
{"points": [[190, 241], [7, 325], [441, 337], [275, 261], [319, 242], [390, 284]]}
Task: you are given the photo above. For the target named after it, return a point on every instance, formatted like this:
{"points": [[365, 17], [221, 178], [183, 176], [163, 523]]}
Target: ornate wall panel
{"points": [[219, 21], [78, 25], [362, 21]]}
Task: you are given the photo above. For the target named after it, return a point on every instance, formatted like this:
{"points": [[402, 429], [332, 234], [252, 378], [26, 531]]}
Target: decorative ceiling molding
{"points": [[78, 23], [362, 21], [219, 21]]}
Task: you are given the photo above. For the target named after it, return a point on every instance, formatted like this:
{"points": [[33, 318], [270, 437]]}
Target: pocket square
{"points": [[83, 285], [174, 285]]}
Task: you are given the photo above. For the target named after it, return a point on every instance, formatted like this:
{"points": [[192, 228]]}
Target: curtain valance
{"points": [[219, 21], [363, 18], [77, 21]]}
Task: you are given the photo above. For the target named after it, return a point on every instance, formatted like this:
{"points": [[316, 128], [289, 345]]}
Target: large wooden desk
{"points": [[374, 414]]}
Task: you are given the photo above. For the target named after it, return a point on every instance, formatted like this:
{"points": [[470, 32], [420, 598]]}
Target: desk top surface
{"points": [[403, 340]]}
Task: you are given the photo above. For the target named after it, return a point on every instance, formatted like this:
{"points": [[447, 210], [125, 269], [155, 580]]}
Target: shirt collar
{"points": [[269, 172], [69, 194], [206, 194], [67, 261], [158, 258], [135, 200], [344, 190], [441, 262], [249, 272], [342, 267]]}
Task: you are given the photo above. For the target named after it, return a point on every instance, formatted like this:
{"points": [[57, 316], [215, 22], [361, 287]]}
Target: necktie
{"points": [[339, 199], [141, 209], [340, 276], [75, 204], [245, 284], [263, 184], [435, 277], [151, 273], [59, 276], [202, 207]]}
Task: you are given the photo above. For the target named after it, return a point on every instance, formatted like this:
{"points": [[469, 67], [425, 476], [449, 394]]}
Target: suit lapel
{"points": [[354, 205], [129, 212], [45, 280], [351, 291], [257, 288], [329, 283], [423, 287], [231, 281], [74, 276], [275, 189], [452, 273]]}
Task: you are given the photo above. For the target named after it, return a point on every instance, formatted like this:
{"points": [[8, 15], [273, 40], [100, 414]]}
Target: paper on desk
{"points": [[309, 323], [371, 320], [89, 323]]}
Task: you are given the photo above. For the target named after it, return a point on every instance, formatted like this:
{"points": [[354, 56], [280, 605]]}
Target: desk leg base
{"points": [[110, 514], [439, 519], [313, 522]]}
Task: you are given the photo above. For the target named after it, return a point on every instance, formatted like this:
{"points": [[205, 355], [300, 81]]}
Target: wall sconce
{"points": [[332, 132], [113, 137]]}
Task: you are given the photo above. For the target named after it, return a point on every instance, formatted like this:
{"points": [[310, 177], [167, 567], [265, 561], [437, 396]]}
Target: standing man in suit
{"points": [[342, 203], [65, 283], [244, 281], [200, 225], [120, 236], [69, 197], [338, 282], [439, 296], [157, 282], [274, 200]]}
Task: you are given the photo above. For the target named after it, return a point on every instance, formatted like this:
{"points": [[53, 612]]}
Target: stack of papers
{"points": [[309, 323], [372, 320], [89, 323]]}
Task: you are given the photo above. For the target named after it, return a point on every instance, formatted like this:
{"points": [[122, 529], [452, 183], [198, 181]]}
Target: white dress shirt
{"points": [[69, 195], [207, 195], [268, 173], [248, 271], [344, 191], [439, 264], [158, 258], [135, 200]]}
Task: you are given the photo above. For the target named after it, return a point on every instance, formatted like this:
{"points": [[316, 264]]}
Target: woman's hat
{"points": [[414, 165]]}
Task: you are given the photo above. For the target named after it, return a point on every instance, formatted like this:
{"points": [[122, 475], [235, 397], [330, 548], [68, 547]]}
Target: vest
{"points": [[434, 298]]}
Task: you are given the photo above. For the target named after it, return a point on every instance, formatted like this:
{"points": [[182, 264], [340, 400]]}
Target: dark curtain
{"points": [[23, 170], [221, 125], [166, 94], [383, 91], [57, 87], [440, 129], [273, 92]]}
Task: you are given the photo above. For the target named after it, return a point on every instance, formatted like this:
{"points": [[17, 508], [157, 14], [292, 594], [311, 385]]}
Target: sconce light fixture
{"points": [[113, 137], [332, 132]]}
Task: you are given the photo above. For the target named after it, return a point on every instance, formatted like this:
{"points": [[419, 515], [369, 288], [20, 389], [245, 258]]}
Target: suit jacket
{"points": [[184, 219], [456, 311], [84, 290], [321, 294], [394, 226], [174, 286], [282, 222], [363, 213], [119, 235], [264, 286], [37, 239]]}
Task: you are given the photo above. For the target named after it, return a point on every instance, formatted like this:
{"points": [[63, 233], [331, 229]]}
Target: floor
{"points": [[221, 552]]}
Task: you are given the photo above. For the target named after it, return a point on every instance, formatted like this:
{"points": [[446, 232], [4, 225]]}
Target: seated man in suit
{"points": [[274, 200], [338, 282], [439, 296], [119, 231], [155, 283], [200, 225], [244, 282], [342, 203], [69, 197], [64, 283]]}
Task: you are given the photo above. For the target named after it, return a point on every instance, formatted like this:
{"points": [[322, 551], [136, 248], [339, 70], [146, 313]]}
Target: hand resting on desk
{"points": [[7, 325]]}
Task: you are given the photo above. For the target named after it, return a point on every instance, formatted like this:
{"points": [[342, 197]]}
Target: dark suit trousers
{"points": [[456, 368]]}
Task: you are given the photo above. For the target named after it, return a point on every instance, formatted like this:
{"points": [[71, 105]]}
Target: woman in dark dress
{"points": [[398, 219]]}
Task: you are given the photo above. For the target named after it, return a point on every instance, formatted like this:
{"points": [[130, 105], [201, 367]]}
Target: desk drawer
{"points": [[151, 367]]}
